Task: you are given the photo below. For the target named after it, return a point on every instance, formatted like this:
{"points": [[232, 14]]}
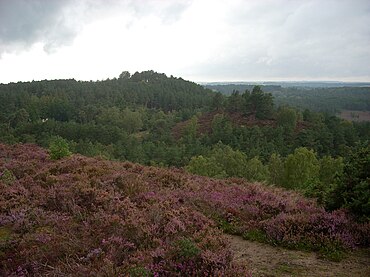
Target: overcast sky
{"points": [[199, 40]]}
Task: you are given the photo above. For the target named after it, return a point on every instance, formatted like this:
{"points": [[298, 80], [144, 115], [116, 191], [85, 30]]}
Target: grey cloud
{"points": [[298, 39], [168, 11], [264, 39], [173, 12], [57, 22], [24, 22]]}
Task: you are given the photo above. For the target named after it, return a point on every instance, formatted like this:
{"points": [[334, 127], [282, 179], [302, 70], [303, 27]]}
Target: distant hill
{"points": [[331, 97], [287, 84], [147, 89]]}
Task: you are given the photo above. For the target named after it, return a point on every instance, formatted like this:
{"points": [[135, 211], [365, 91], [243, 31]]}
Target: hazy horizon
{"points": [[218, 81], [201, 41]]}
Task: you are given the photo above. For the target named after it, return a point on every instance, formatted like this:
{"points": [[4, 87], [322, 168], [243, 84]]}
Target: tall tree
{"points": [[352, 190], [301, 169], [260, 104]]}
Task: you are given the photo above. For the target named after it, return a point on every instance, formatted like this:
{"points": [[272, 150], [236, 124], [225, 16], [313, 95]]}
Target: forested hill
{"points": [[133, 119], [65, 99], [153, 119]]}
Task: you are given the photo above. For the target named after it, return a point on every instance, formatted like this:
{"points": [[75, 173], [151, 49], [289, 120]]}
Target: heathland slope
{"points": [[91, 217]]}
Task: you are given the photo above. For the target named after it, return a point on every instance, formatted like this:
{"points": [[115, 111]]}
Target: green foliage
{"points": [[275, 169], [255, 170], [236, 102], [222, 129], [205, 166], [58, 108], [153, 119], [352, 189], [257, 103], [227, 227], [5, 234], [5, 241], [190, 131], [301, 169], [260, 103], [128, 120], [135, 118], [59, 148], [186, 249], [318, 98], [255, 235], [332, 252], [19, 117], [330, 168], [218, 101], [221, 161], [287, 118], [232, 161], [125, 75], [87, 148], [7, 177], [138, 271]]}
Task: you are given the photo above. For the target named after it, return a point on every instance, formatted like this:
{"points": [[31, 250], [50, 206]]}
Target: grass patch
{"points": [[187, 249], [285, 269], [138, 271], [7, 177], [255, 235], [4, 234], [334, 254], [227, 227]]}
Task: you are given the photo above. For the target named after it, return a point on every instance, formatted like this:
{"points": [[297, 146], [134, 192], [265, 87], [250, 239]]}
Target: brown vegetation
{"points": [[238, 119], [356, 116]]}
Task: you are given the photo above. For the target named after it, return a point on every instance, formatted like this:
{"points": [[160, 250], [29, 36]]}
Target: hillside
{"points": [[85, 216], [330, 97], [237, 119], [141, 118], [63, 99]]}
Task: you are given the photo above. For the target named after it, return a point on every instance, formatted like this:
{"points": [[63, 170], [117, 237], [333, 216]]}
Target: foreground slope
{"points": [[83, 216]]}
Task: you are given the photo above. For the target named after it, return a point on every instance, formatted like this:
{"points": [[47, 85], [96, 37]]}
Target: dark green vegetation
{"points": [[80, 216], [68, 213], [319, 98], [155, 120]]}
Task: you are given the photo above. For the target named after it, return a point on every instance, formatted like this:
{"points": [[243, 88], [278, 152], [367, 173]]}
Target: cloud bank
{"points": [[201, 40]]}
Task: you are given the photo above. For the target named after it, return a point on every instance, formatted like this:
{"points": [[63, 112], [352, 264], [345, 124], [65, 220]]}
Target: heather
{"points": [[152, 119], [92, 217]]}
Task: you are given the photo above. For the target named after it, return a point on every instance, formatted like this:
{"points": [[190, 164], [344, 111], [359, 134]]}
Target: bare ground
{"points": [[266, 260]]}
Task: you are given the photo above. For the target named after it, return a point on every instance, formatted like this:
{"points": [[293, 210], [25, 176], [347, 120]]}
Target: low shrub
{"points": [[86, 217], [59, 148]]}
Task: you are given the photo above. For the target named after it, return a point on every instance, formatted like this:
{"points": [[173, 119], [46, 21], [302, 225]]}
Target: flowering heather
{"points": [[90, 217]]}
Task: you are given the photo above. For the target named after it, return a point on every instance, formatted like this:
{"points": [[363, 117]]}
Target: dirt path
{"points": [[266, 260]]}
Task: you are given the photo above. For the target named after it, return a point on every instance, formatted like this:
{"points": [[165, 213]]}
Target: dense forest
{"points": [[314, 97], [311, 168], [153, 119]]}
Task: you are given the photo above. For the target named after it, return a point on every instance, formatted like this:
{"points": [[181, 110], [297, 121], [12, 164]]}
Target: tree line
{"points": [[133, 118]]}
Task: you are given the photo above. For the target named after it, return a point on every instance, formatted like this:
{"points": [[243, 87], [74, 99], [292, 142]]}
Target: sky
{"points": [[198, 40]]}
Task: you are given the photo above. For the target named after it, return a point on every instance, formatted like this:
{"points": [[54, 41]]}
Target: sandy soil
{"points": [[266, 260]]}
